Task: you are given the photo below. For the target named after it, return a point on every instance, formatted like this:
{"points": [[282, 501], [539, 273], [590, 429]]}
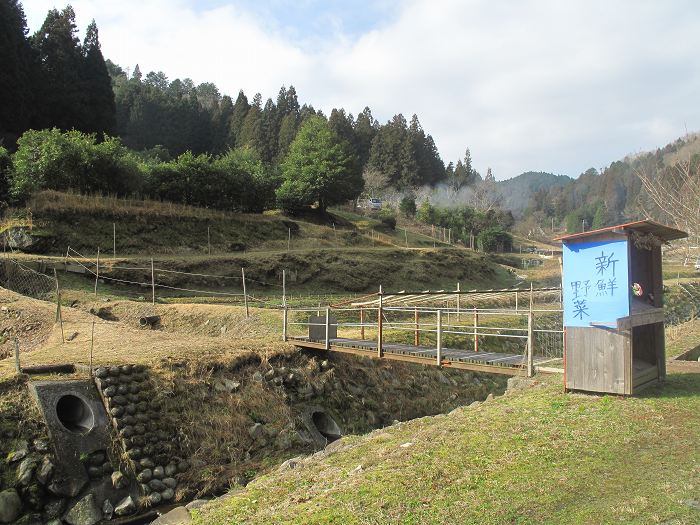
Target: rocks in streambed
{"points": [[84, 512], [10, 506]]}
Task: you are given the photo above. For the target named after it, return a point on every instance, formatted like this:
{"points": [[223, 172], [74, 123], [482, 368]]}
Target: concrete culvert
{"points": [[75, 414], [321, 426], [326, 426], [149, 321]]}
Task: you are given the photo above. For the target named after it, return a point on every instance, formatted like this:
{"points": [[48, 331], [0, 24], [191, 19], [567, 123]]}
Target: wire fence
{"points": [[24, 280]]}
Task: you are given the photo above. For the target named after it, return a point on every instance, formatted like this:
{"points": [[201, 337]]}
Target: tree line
{"points": [[71, 120], [51, 79]]}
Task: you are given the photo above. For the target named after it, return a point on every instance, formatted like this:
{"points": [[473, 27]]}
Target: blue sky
{"points": [[540, 85]]}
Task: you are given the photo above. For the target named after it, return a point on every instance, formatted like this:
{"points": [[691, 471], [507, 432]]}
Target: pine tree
{"points": [[97, 90], [137, 74]]}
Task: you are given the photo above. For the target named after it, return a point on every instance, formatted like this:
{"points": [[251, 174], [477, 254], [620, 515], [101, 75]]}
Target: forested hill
{"points": [[51, 79], [616, 194], [516, 193]]}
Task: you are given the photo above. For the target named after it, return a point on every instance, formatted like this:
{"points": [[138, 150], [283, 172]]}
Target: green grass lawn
{"points": [[532, 457]]}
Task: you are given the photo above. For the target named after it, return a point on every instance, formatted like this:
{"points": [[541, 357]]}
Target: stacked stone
{"points": [[34, 491], [136, 414]]}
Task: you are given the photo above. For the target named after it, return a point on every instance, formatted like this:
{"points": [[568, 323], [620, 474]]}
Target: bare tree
{"points": [[673, 195], [375, 181], [485, 195]]}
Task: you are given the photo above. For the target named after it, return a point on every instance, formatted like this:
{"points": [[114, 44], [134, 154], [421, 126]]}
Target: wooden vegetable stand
{"points": [[613, 307]]}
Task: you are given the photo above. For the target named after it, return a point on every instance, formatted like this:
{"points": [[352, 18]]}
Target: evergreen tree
{"points": [[240, 110], [17, 72], [99, 101], [137, 73], [252, 134], [365, 131], [59, 53]]}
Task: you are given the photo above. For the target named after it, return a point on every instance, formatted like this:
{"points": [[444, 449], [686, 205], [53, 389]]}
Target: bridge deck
{"points": [[493, 362]]}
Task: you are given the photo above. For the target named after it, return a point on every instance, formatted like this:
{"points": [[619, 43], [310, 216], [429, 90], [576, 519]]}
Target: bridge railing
{"points": [[499, 330]]}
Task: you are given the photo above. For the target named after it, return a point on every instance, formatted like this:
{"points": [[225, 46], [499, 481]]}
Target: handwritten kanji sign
{"points": [[596, 283]]}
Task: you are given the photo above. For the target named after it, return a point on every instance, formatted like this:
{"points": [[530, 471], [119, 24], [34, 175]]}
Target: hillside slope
{"points": [[530, 457]]}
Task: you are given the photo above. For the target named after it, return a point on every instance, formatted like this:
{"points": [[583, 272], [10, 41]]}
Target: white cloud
{"points": [[541, 85]]}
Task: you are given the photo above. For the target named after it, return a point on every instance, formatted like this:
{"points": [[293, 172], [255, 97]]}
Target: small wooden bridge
{"points": [[495, 340]]}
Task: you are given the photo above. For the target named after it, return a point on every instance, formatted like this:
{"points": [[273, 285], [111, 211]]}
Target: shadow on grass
{"points": [[676, 385]]}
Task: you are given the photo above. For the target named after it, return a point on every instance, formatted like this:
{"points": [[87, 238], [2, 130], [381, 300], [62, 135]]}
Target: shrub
{"points": [[494, 240], [388, 218], [407, 206], [50, 159]]}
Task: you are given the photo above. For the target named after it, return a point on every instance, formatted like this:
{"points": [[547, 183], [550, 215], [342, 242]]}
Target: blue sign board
{"points": [[596, 283]]}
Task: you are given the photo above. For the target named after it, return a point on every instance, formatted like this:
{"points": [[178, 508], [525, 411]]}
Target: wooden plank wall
{"points": [[595, 360]]}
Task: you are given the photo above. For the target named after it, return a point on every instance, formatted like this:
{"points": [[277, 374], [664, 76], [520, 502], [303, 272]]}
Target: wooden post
{"points": [[97, 273], [59, 314], [245, 294], [335, 233], [65, 259], [289, 238], [153, 283], [530, 344], [516, 301], [405, 235], [328, 328], [416, 336], [379, 324], [284, 323], [208, 241], [362, 323], [114, 240], [284, 288], [476, 334], [459, 289], [92, 344], [18, 368], [439, 337], [531, 297]]}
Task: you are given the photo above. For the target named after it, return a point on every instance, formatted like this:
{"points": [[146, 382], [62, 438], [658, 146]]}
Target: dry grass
{"points": [[118, 342], [55, 201]]}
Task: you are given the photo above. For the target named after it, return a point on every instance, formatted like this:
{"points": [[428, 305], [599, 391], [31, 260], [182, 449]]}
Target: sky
{"points": [[532, 85]]}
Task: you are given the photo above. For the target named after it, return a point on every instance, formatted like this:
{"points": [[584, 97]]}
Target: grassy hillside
{"points": [[83, 222], [532, 457]]}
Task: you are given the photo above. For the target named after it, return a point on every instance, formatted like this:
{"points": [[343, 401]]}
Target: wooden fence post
{"points": [[208, 241], [97, 273], [284, 323], [458, 300], [92, 344], [476, 334], [153, 284], [245, 294], [289, 238], [379, 325], [59, 314], [18, 368], [439, 337], [328, 328], [416, 337], [114, 240], [530, 344], [362, 323], [405, 234], [284, 288]]}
